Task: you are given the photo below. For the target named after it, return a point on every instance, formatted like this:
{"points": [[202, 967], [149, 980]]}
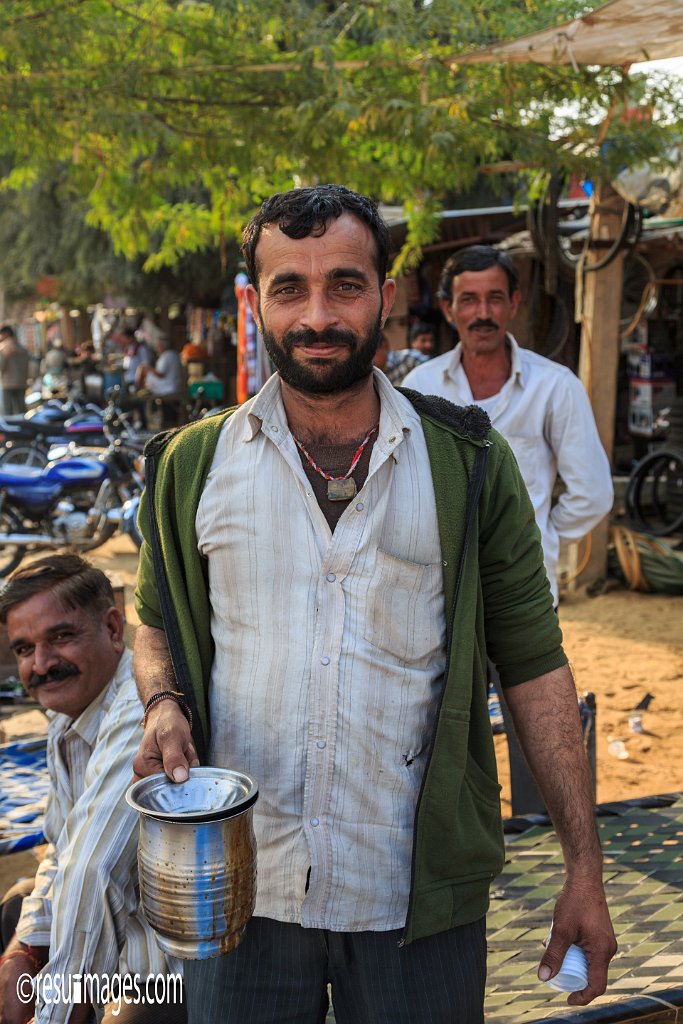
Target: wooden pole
{"points": [[599, 300]]}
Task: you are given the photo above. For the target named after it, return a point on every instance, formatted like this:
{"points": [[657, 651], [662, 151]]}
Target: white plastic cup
{"points": [[573, 974], [617, 748]]}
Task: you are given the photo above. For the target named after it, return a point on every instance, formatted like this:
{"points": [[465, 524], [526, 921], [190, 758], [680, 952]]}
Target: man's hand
{"points": [[17, 1003], [581, 917], [166, 745], [546, 716]]}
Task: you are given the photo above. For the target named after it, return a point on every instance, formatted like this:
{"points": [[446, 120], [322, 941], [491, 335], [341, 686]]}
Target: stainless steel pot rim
{"points": [[209, 794]]}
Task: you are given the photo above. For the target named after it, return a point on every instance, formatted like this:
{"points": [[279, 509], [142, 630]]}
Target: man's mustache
{"points": [[309, 338], [54, 675], [476, 324]]}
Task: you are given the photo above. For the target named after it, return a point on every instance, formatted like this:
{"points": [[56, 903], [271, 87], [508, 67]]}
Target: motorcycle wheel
{"points": [[11, 555], [102, 537], [109, 528], [23, 455]]}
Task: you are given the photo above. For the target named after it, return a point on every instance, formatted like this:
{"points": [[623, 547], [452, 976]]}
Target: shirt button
{"points": [[314, 822], [321, 744], [330, 577], [360, 506], [392, 438], [275, 430], [325, 660]]}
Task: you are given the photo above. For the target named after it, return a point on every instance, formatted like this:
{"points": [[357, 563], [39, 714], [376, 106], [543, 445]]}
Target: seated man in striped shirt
{"points": [[82, 915]]}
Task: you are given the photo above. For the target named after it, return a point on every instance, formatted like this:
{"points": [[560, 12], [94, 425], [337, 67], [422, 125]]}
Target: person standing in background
{"points": [[165, 377], [422, 339], [420, 349], [136, 353], [540, 407], [14, 361]]}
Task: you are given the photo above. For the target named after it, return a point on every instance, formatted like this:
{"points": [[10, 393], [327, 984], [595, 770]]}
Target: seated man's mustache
{"points": [[309, 338], [476, 324], [54, 675]]}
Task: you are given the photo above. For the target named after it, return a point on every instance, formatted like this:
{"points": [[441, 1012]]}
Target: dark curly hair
{"points": [[308, 211], [476, 258]]}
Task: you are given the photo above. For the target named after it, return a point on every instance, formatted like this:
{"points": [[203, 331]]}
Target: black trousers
{"points": [[279, 974]]}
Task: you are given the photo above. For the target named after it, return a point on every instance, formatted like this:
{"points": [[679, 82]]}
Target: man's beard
{"points": [[329, 376]]}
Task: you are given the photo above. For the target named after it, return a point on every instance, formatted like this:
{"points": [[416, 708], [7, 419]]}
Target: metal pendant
{"points": [[341, 490]]}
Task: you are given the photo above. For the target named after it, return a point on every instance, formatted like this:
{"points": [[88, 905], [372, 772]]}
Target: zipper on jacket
{"points": [[473, 494]]}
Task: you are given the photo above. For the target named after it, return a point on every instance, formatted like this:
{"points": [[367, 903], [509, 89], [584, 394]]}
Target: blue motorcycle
{"points": [[75, 502], [26, 440]]}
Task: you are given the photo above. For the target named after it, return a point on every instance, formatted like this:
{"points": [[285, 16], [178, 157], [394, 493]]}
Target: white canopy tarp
{"points": [[621, 32]]}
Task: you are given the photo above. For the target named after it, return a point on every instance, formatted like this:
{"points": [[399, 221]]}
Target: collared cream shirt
{"points": [[85, 904], [543, 411], [329, 657]]}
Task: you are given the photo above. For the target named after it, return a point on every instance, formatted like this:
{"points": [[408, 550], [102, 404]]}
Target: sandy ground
{"points": [[622, 645]]}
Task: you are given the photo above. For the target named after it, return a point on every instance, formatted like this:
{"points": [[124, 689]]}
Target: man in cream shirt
{"points": [[306, 564], [539, 406]]}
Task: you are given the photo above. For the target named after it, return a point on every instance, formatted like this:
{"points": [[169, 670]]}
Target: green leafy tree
{"points": [[43, 232], [174, 119]]}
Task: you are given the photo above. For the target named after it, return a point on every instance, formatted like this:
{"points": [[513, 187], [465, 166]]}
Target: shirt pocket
{"points": [[531, 456], [405, 609]]}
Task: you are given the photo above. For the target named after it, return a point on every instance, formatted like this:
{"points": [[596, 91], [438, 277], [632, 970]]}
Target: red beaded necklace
{"points": [[339, 488]]}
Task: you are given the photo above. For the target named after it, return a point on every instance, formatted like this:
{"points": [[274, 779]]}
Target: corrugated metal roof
{"points": [[395, 215]]}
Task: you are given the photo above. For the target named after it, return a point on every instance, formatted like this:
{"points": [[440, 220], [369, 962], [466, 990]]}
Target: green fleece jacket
{"points": [[497, 601]]}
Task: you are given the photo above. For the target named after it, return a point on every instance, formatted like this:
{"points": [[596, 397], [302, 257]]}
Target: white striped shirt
{"points": [[329, 652], [84, 905]]}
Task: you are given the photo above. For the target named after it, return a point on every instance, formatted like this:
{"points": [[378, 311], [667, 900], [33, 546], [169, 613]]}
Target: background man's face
{"points": [[319, 306], [481, 309], [424, 343], [65, 656]]}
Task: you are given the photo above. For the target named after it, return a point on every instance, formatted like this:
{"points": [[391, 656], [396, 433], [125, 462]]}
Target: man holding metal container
{"points": [[322, 573]]}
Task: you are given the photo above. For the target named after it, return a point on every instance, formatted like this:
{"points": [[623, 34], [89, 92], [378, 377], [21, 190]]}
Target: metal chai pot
{"points": [[197, 859]]}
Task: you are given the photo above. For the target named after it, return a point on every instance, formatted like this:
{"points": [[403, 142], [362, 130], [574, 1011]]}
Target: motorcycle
{"points": [[73, 502], [26, 440]]}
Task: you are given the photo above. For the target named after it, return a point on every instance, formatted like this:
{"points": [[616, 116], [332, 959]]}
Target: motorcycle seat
{"points": [[18, 426]]}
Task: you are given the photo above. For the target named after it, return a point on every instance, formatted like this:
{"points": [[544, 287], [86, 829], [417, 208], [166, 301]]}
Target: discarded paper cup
{"points": [[573, 974], [617, 748]]}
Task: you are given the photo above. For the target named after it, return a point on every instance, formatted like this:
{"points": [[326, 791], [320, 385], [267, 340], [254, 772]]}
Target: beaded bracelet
{"points": [[26, 951], [156, 698]]}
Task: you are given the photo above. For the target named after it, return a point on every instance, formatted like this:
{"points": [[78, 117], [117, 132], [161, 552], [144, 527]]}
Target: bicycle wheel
{"points": [[651, 499], [23, 455]]}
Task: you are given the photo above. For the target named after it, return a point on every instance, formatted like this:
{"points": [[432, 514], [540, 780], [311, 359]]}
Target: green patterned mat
{"points": [[643, 873]]}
